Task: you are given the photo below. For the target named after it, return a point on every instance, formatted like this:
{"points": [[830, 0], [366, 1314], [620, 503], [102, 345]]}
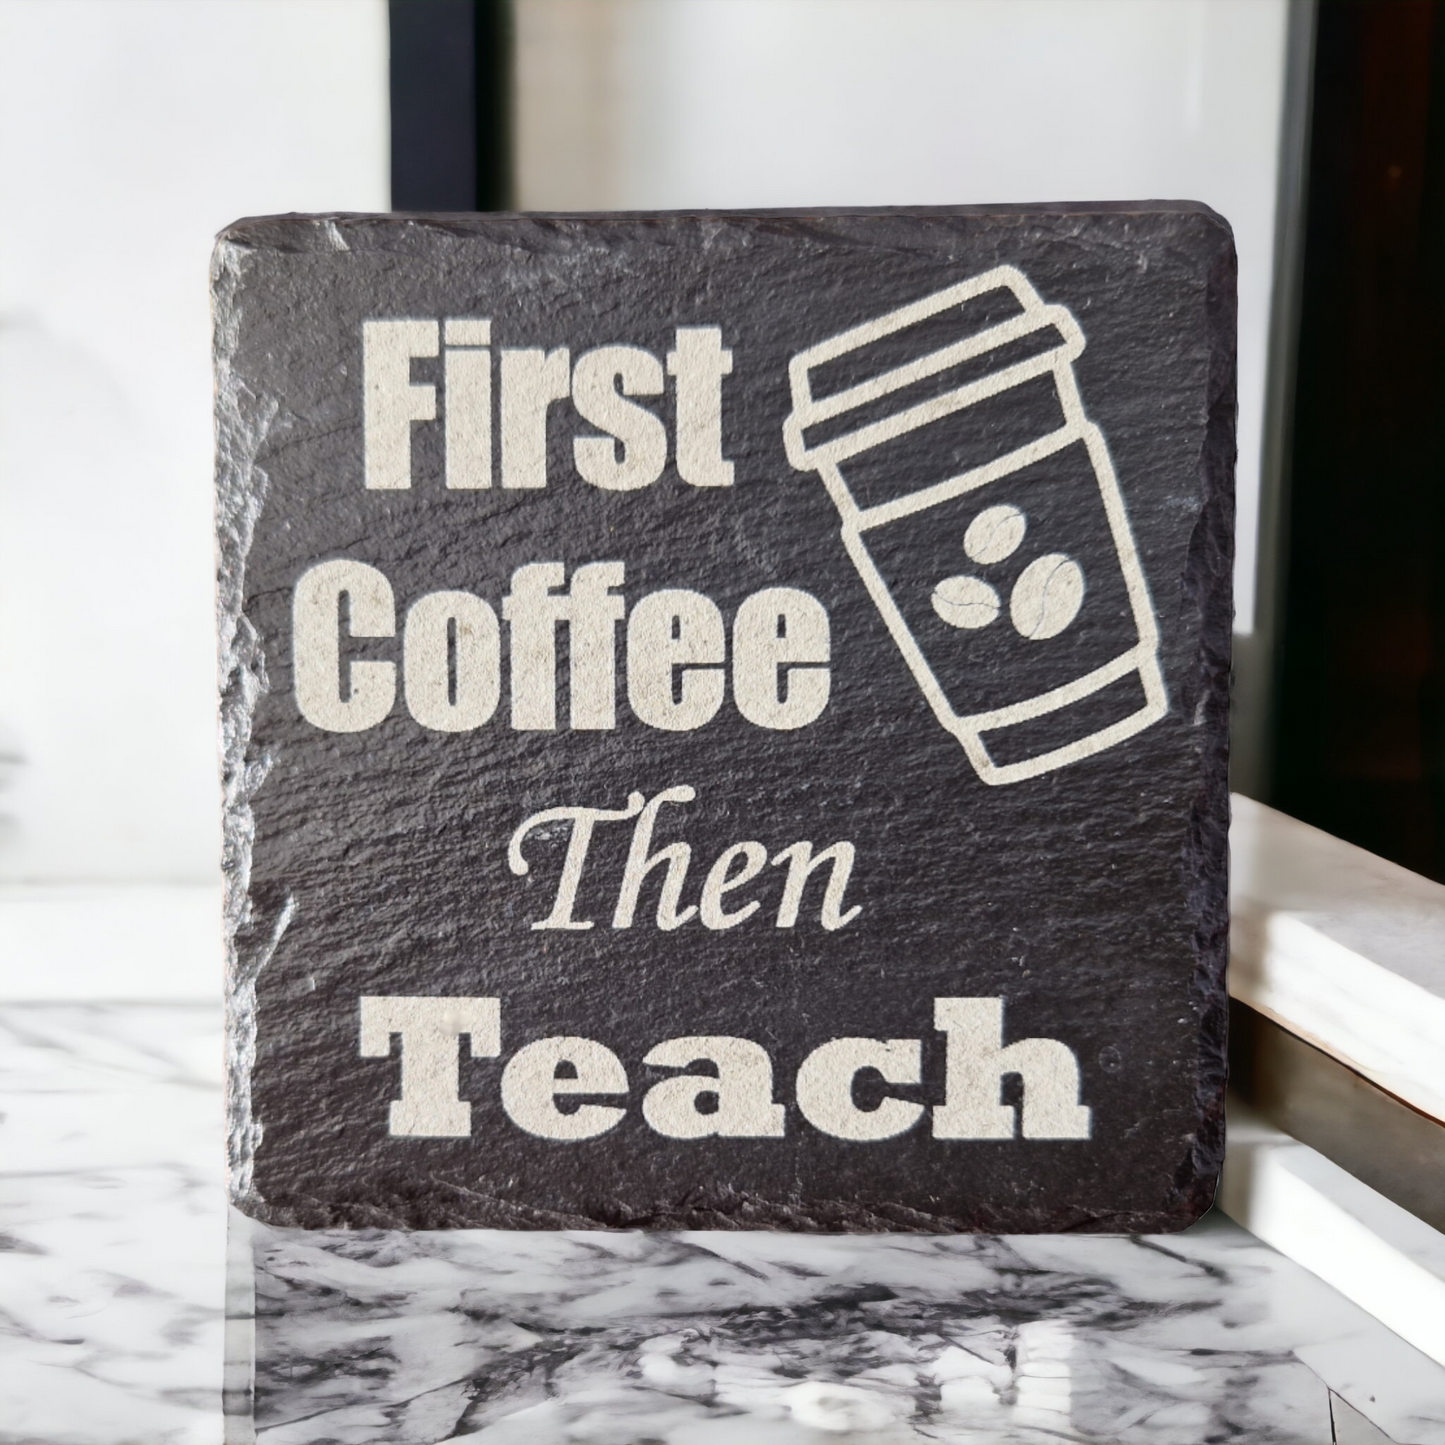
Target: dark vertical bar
{"points": [[1359, 749], [450, 104], [493, 31], [1432, 235], [1256, 653]]}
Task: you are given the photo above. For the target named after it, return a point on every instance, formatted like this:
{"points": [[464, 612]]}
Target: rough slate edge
{"points": [[1209, 584], [252, 933]]}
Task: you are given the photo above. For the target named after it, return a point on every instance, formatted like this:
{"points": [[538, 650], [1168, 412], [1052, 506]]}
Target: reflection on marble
{"points": [[112, 1224], [706, 1338], [112, 1279], [699, 1339]]}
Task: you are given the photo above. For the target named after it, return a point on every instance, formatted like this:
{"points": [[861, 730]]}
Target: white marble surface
{"points": [[112, 1282], [718, 1337], [700, 1338], [112, 1277]]}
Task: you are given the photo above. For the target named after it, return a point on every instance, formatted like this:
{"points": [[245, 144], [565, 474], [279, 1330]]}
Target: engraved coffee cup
{"points": [[981, 509]]}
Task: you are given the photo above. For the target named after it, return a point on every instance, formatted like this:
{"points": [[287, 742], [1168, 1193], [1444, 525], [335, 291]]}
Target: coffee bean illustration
{"points": [[1047, 596], [966, 602], [995, 534]]}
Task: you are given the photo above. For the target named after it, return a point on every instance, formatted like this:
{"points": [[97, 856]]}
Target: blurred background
{"points": [[132, 130]]}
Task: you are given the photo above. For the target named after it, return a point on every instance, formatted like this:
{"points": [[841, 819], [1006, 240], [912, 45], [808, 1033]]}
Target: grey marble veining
{"points": [[112, 1280], [699, 1338], [112, 1224]]}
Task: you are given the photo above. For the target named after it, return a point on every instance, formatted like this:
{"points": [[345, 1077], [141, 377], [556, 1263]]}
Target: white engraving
{"points": [[1047, 596], [742, 1090], [531, 1087], [317, 664], [735, 1079], [995, 534], [429, 1028], [451, 661], [977, 1063], [965, 602], [1138, 652], [825, 1087]]}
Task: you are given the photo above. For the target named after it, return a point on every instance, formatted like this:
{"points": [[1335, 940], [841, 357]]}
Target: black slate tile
{"points": [[901, 534]]}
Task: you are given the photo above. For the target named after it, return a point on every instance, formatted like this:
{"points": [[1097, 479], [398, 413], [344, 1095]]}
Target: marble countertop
{"points": [[114, 1292], [1344, 949]]}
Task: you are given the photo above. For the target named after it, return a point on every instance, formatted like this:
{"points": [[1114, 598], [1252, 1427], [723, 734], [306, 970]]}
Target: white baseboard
{"points": [[63, 942], [1371, 1250], [1342, 948]]}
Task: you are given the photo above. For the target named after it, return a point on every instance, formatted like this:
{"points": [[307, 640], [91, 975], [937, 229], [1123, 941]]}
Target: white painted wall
{"points": [[130, 132], [680, 103]]}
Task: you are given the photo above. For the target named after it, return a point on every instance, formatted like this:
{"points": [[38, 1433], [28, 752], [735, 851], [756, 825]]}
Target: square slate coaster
{"points": [[724, 716]]}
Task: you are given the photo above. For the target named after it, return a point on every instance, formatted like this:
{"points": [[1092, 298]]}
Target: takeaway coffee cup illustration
{"points": [[981, 509]]}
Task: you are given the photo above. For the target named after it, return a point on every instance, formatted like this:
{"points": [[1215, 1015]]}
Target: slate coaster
{"points": [[725, 717]]}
